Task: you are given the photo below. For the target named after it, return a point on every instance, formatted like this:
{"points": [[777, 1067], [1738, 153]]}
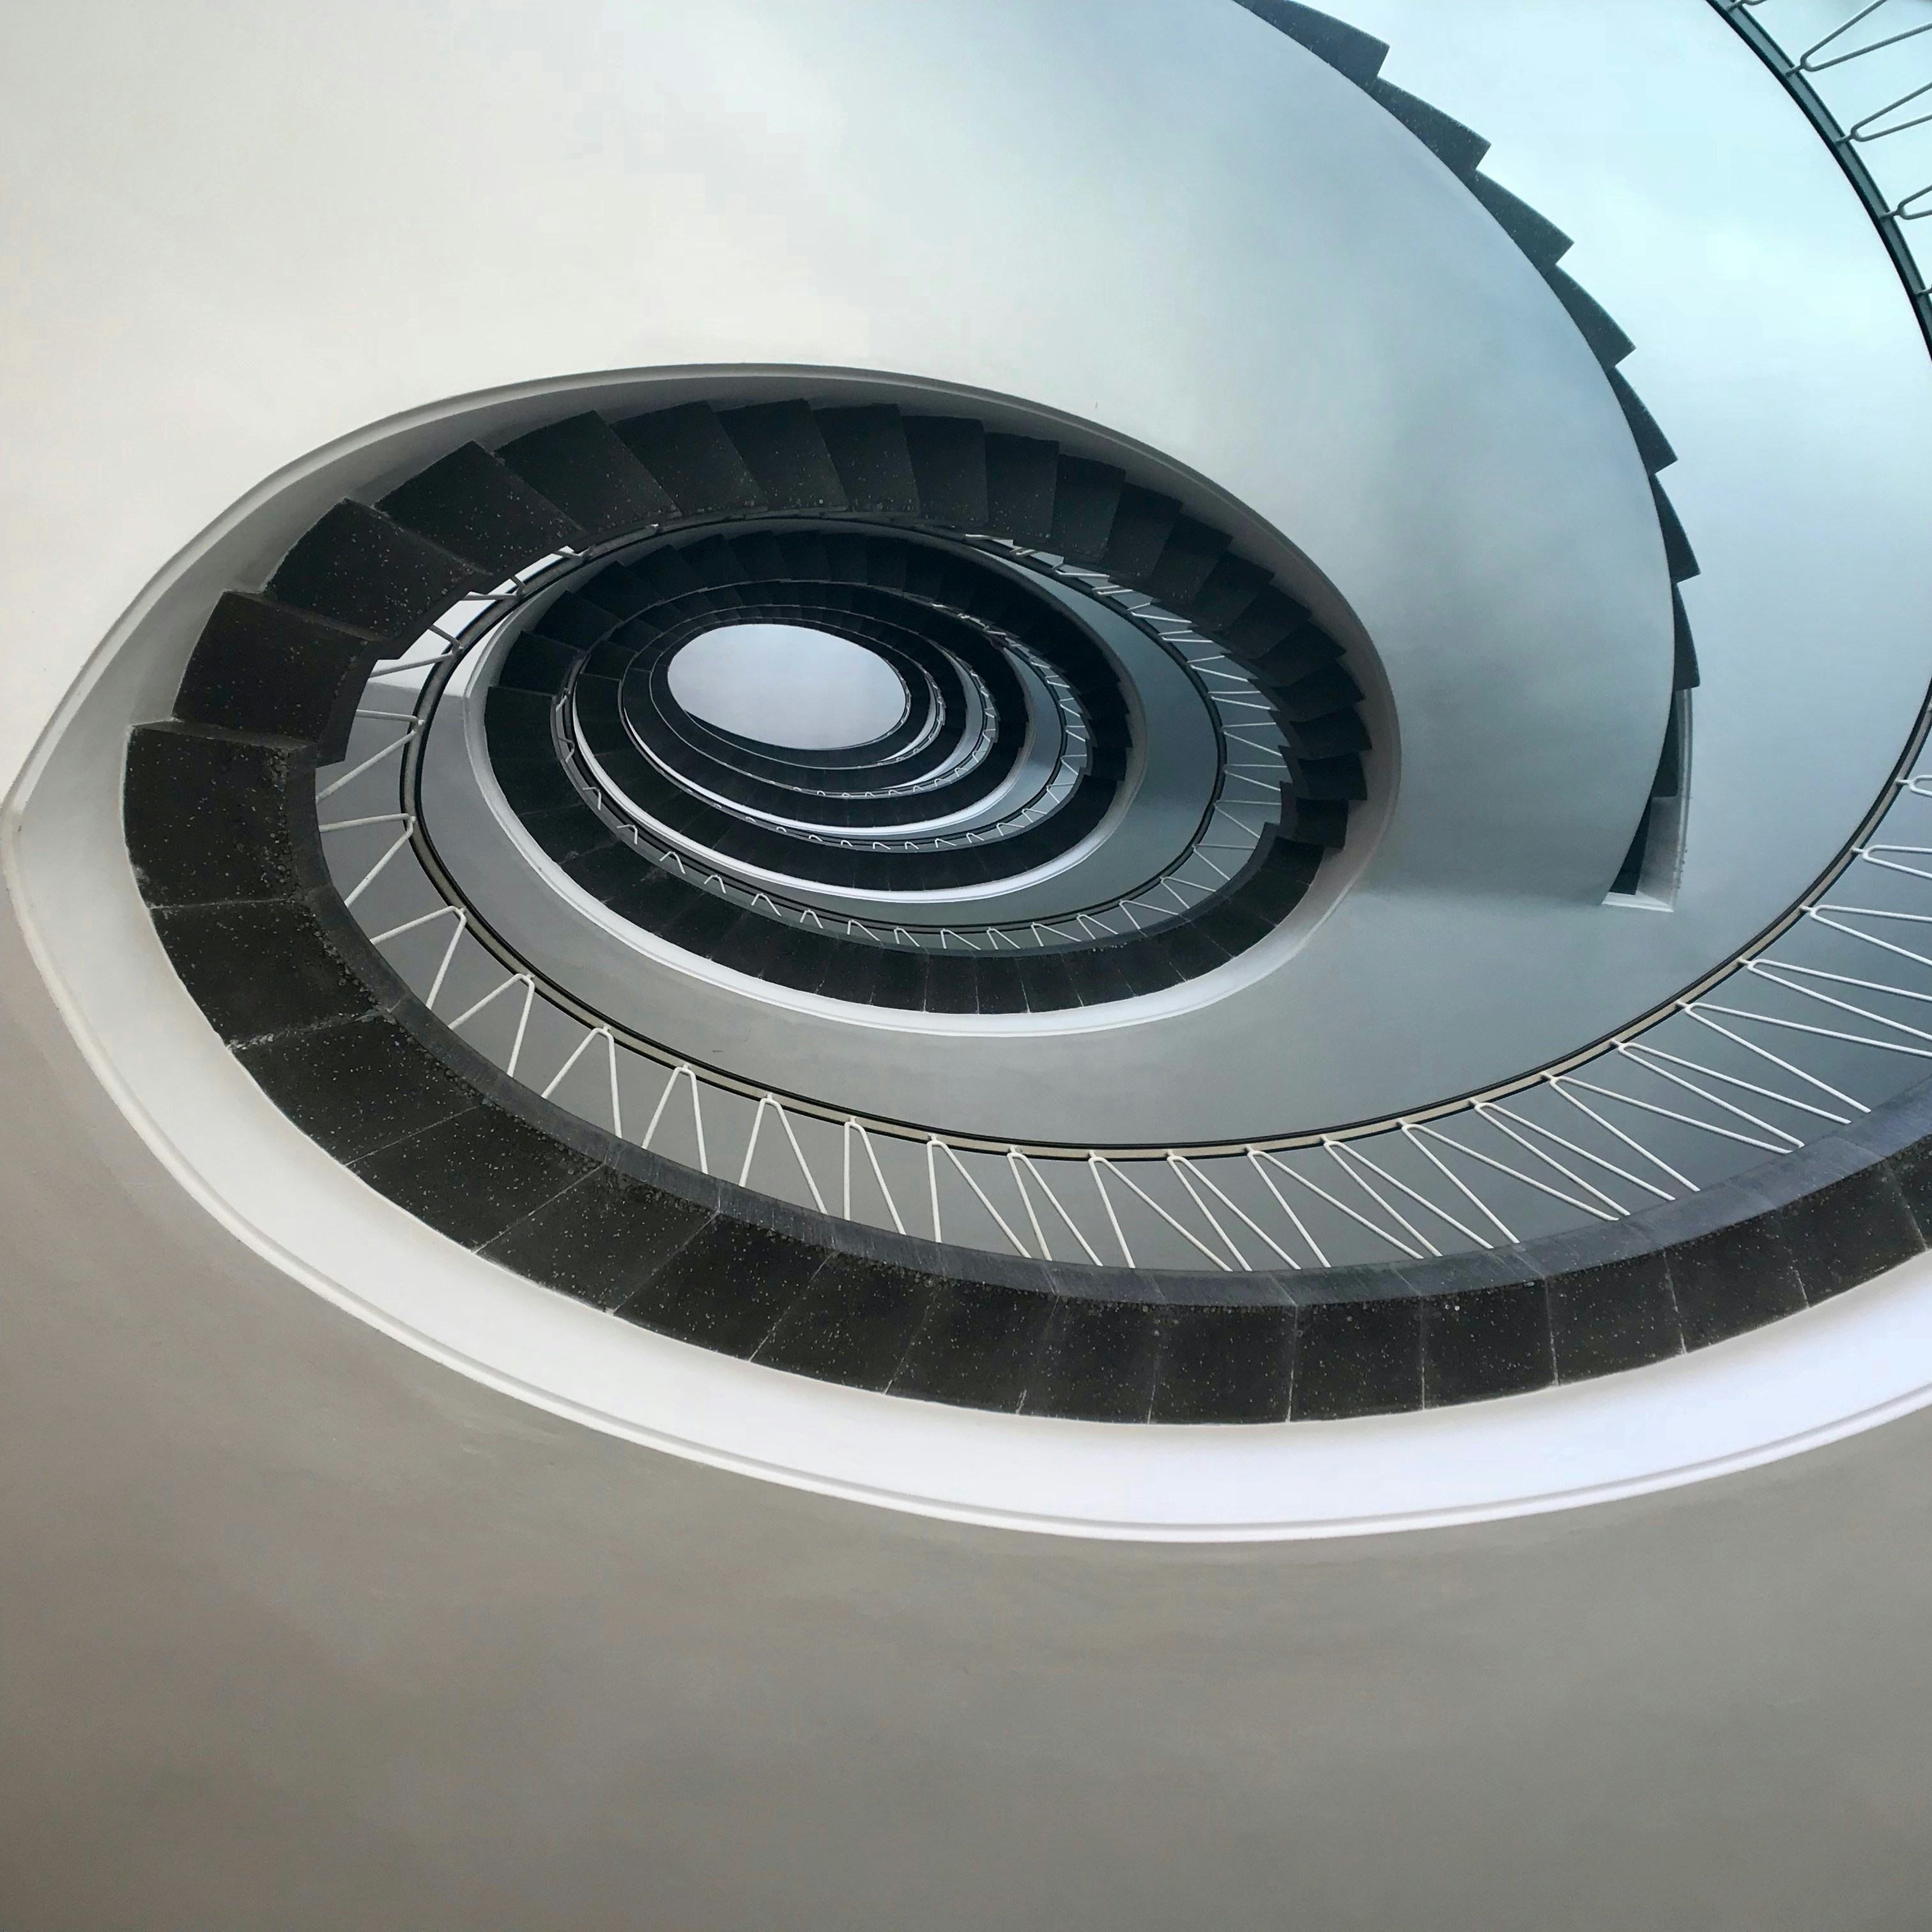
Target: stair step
{"points": [[357, 567], [208, 814], [1306, 648], [727, 1287], [1186, 562], [605, 869], [1282, 879], [473, 1177], [517, 723], [1685, 675], [886, 559], [845, 558], [805, 556], [687, 450], [1230, 587], [1234, 927], [584, 468], [1347, 49], [1146, 965], [576, 621], [533, 785], [1652, 444], [1317, 821], [1542, 241], [1046, 982], [949, 983], [602, 1241], [1679, 557], [357, 1084], [1142, 525], [257, 967], [1459, 148], [948, 459], [1336, 778], [1021, 473], [901, 980], [261, 666], [867, 444], [618, 591], [649, 896], [715, 562], [801, 961], [1330, 688], [567, 831], [787, 455], [1086, 497], [1272, 616], [538, 663], [667, 574], [759, 556], [1326, 737], [1607, 342], [997, 985], [477, 507], [1097, 978]]}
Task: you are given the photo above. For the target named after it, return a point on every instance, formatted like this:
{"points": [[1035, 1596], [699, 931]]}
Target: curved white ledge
{"points": [[81, 950]]}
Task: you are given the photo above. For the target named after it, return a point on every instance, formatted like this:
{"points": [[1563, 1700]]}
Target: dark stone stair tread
{"points": [[256, 967], [1186, 560], [583, 467], [476, 506], [787, 455], [867, 446], [474, 1176], [356, 567], [1347, 49], [602, 1240], [1142, 525], [854, 1322], [357, 1085], [1459, 148], [538, 663], [1230, 587], [1021, 473], [207, 815], [948, 459], [1087, 495], [726, 1287], [263, 666], [687, 450]]}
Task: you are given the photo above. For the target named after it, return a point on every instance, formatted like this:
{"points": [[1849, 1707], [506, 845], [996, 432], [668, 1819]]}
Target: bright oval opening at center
{"points": [[787, 686]]}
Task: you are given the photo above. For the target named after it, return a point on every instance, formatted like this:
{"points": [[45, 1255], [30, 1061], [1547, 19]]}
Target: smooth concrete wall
{"points": [[304, 1630], [292, 263]]}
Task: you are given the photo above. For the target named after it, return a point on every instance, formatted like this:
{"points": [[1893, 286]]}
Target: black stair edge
{"points": [[1347, 49], [476, 505], [1327, 778], [581, 464], [1359, 58], [357, 569], [1121, 1344], [259, 665], [1152, 1343]]}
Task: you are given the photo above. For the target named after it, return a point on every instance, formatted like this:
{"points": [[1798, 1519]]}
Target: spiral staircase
{"points": [[1346, 1000]]}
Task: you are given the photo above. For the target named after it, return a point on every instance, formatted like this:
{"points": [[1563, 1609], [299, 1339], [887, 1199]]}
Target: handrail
{"points": [[1791, 1035]]}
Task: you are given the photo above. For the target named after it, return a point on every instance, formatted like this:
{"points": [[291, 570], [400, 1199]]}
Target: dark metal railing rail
{"points": [[1823, 1015]]}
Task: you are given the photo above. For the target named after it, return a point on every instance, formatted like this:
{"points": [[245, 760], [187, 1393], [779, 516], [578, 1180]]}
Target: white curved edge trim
{"points": [[145, 1068], [1808, 1381]]}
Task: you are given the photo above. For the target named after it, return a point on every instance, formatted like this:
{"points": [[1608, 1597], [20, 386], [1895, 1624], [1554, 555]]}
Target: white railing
{"points": [[1823, 1017]]}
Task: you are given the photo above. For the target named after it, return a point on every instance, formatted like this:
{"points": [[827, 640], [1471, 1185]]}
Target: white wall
{"points": [[305, 1628]]}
